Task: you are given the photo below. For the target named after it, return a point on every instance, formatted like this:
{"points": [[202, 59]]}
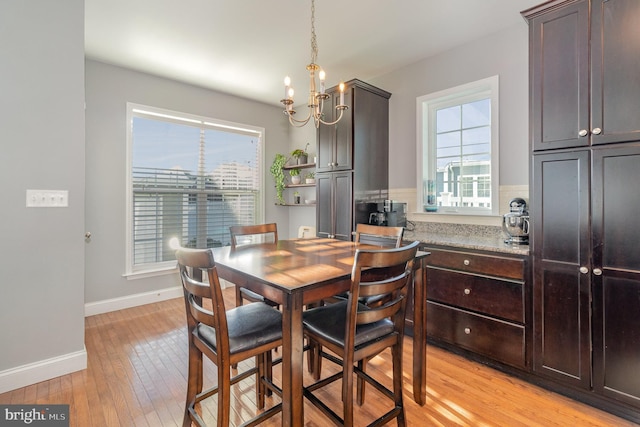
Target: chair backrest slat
{"points": [[253, 230], [379, 235]]}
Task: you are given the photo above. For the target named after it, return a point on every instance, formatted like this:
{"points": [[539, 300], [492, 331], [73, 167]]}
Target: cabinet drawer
{"points": [[501, 341], [500, 266], [495, 297]]}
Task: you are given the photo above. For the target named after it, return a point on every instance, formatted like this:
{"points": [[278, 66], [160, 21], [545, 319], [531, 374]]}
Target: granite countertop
{"points": [[478, 237]]}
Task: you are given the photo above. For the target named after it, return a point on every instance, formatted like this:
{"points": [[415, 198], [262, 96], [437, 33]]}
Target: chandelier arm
{"points": [[296, 122], [336, 120]]}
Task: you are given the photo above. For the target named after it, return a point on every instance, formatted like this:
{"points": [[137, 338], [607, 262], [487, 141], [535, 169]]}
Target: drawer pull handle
{"points": [[467, 291], [584, 270], [466, 262], [467, 331], [596, 131]]}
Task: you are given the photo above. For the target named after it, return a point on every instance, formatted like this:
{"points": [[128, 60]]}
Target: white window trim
{"points": [[422, 131], [168, 267]]}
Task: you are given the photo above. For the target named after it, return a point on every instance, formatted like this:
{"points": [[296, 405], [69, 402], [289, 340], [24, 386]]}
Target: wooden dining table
{"points": [[297, 272]]}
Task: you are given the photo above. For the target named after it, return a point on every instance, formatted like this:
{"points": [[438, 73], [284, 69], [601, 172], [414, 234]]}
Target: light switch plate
{"points": [[47, 198]]}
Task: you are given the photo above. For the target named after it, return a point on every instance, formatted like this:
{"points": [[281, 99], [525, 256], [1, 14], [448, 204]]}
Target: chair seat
{"points": [[248, 294], [329, 322], [250, 326]]}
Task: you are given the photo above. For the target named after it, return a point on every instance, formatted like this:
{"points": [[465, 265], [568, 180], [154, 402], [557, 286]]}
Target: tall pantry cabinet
{"points": [[352, 159], [585, 139]]}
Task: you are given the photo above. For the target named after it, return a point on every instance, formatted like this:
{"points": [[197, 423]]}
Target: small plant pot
{"points": [[296, 179], [303, 159], [310, 180]]}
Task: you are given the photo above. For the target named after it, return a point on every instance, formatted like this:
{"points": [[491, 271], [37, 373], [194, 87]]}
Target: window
{"points": [[188, 177], [458, 149]]}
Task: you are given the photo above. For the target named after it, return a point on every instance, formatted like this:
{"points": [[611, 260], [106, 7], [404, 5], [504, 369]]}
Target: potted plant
{"points": [[295, 176], [310, 178], [300, 155], [296, 198], [278, 175]]}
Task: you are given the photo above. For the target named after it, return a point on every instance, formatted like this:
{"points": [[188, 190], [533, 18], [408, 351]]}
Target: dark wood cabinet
{"points": [[584, 81], [335, 143], [334, 195], [352, 158], [585, 137], [560, 246], [616, 273], [478, 302]]}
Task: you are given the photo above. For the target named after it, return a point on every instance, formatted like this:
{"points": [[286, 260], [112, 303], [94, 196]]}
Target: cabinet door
{"points": [[343, 159], [335, 142], [326, 137], [559, 58], [324, 205], [616, 269], [334, 205], [615, 65], [561, 247], [343, 205]]}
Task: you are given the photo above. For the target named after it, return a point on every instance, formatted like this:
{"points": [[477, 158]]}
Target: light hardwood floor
{"points": [[136, 376]]}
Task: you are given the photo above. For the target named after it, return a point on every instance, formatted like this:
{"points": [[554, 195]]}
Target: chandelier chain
{"points": [[314, 43], [317, 96]]}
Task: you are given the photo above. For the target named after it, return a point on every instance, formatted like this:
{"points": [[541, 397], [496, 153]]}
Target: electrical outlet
{"points": [[47, 198]]}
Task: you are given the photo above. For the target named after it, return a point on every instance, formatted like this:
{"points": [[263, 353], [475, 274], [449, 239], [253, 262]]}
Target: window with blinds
{"points": [[190, 178]]}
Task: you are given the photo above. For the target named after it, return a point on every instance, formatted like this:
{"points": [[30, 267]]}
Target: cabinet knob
{"points": [[597, 272], [466, 262], [467, 291], [584, 270], [467, 331], [583, 132], [596, 131]]}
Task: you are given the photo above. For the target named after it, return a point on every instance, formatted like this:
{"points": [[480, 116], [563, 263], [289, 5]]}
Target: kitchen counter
{"points": [[477, 237]]}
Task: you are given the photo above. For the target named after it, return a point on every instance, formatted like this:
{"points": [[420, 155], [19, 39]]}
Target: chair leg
{"points": [[224, 393], [268, 370], [347, 392], [260, 387], [194, 381], [316, 349], [396, 357], [360, 382]]}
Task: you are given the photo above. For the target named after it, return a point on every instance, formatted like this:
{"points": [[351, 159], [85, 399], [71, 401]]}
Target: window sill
{"points": [[144, 274]]}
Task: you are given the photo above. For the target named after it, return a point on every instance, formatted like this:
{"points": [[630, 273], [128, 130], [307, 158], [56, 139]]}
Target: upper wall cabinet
{"points": [[585, 73]]}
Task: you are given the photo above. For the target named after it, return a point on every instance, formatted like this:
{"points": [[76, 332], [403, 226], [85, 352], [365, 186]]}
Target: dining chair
{"points": [[376, 235], [354, 332], [225, 337], [248, 234]]}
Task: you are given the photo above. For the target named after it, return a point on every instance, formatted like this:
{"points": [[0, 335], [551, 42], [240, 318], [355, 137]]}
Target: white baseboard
{"points": [[42, 370], [106, 306]]}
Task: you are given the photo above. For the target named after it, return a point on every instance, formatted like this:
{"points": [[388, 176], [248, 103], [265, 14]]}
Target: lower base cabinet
{"points": [[478, 302]]}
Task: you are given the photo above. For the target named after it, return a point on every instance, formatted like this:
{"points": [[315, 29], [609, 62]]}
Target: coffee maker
{"points": [[387, 213]]}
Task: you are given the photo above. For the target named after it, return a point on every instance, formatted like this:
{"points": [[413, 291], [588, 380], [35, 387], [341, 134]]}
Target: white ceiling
{"points": [[246, 47]]}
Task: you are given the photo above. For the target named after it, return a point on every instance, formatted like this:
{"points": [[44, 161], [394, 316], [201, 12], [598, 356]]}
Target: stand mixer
{"points": [[516, 223]]}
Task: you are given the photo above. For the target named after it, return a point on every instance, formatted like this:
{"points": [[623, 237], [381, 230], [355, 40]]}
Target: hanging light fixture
{"points": [[316, 97]]}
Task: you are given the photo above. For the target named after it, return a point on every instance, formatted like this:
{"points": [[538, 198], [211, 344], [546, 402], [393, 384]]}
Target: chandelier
{"points": [[316, 97]]}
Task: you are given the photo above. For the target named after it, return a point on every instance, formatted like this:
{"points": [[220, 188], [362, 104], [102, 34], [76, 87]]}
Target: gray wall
{"points": [[108, 89], [505, 54], [42, 139]]}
